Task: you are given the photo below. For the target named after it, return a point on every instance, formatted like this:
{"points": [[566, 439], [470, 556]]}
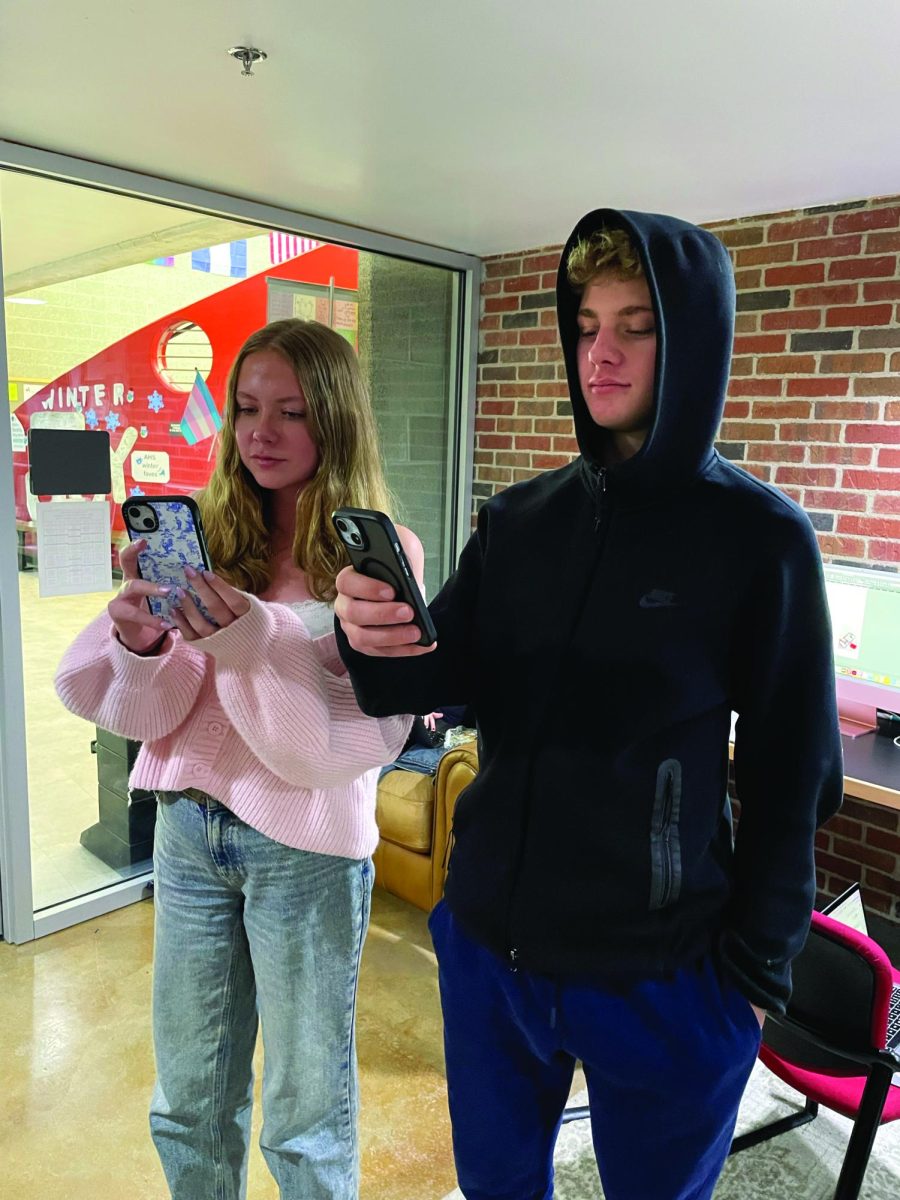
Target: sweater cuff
{"points": [[241, 643]]}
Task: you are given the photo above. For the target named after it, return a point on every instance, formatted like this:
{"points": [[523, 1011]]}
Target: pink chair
{"points": [[831, 1044]]}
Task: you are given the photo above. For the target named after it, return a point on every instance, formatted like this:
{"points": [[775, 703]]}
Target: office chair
{"points": [[831, 1043]]}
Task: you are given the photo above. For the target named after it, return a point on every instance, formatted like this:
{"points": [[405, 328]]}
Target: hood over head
{"points": [[688, 272]]}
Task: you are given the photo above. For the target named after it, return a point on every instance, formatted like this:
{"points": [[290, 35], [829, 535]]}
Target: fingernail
{"points": [[405, 614], [180, 593], [163, 591], [190, 572], [386, 594]]}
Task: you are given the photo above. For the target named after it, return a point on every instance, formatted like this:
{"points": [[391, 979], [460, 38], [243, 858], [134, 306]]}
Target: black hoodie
{"points": [[605, 623]]}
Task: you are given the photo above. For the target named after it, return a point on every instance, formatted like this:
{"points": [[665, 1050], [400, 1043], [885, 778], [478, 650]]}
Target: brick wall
{"points": [[813, 407]]}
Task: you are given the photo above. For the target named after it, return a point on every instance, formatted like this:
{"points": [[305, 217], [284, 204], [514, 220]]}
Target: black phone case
{"points": [[177, 542], [383, 559]]}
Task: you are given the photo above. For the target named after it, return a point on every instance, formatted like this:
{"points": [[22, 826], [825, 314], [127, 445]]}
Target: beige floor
{"points": [[76, 1064], [62, 772]]}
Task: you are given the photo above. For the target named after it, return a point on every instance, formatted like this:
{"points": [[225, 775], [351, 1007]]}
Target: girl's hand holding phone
{"points": [[224, 603], [136, 627]]}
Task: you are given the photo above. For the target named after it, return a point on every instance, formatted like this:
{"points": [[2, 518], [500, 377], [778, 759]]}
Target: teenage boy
{"points": [[605, 620]]}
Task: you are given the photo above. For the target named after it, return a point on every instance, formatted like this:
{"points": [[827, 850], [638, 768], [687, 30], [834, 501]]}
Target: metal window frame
{"points": [[19, 922]]}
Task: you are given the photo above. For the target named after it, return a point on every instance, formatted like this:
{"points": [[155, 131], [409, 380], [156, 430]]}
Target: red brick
{"points": [[490, 322], [840, 293], [737, 431], [797, 318], [863, 268], [527, 442], [485, 390], [859, 314], [872, 527], [498, 304], [877, 385], [809, 431], [843, 547], [878, 434], [501, 337], [746, 322], [884, 551], [746, 280], [566, 445], [851, 364], [780, 410], [559, 390], [536, 408], [772, 343], [787, 364], [870, 857], [892, 411], [882, 290], [807, 476], [509, 458], [498, 408], [742, 366], [548, 281], [549, 462], [553, 425], [494, 441], [836, 500], [518, 476], [538, 337], [871, 218], [522, 283], [516, 425], [882, 243], [870, 814], [889, 458], [846, 827], [763, 255], [550, 354], [774, 452], [895, 362], [548, 318], [495, 267], [483, 458], [801, 273], [857, 456], [737, 408], [761, 472], [818, 386], [495, 474], [754, 387], [833, 247], [887, 504], [490, 287], [741, 235], [846, 410], [792, 231], [883, 840], [516, 390], [541, 262], [871, 481]]}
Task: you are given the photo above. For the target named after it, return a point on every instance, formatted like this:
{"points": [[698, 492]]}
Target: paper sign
{"points": [[57, 420], [150, 466], [73, 545], [19, 440]]}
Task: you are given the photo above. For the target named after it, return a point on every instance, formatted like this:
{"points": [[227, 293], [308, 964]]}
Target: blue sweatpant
{"points": [[666, 1065]]}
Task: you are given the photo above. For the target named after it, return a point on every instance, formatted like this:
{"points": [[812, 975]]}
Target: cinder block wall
{"points": [[813, 407]]}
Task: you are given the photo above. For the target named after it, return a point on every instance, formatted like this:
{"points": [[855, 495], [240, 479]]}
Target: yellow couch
{"points": [[415, 815]]}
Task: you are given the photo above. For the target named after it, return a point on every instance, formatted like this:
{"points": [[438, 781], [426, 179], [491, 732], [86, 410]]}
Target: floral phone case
{"points": [[171, 527]]}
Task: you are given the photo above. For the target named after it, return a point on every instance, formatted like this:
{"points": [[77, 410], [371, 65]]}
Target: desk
{"points": [[871, 769]]}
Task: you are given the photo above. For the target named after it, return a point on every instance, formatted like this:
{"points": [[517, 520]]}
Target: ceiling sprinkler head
{"points": [[248, 55]]}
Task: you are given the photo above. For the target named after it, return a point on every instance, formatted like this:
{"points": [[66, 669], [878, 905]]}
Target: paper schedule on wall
{"points": [[73, 547]]}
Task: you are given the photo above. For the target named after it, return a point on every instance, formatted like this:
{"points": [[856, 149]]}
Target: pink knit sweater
{"points": [[263, 718]]}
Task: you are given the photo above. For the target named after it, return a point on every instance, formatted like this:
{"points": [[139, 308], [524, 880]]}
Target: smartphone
{"points": [[374, 549], [171, 527]]}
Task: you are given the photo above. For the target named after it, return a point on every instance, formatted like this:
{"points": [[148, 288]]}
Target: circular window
{"points": [[184, 349]]}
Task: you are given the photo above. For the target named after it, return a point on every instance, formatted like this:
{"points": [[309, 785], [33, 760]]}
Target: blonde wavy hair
{"points": [[605, 252], [233, 505]]}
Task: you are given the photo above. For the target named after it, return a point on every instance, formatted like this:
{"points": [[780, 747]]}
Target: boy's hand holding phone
{"points": [[374, 621]]}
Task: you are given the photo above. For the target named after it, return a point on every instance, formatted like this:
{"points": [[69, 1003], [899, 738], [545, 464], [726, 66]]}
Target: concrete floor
{"points": [[77, 1065]]}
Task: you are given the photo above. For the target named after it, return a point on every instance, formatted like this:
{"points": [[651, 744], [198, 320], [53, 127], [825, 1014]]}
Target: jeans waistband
{"points": [[200, 797]]}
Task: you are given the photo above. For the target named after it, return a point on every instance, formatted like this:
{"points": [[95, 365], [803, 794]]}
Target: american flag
{"points": [[283, 246]]}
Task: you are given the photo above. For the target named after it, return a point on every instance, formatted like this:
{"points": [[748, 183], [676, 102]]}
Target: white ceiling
{"points": [[477, 125]]}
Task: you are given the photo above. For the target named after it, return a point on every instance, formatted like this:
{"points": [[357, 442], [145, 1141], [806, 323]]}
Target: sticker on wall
{"points": [[117, 462], [150, 466], [19, 440], [155, 401], [143, 431]]}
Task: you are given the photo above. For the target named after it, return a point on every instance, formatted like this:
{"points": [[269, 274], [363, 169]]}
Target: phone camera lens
{"points": [[147, 522], [355, 539], [342, 525]]}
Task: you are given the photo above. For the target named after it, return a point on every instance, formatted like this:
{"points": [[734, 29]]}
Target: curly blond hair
{"points": [[605, 252]]}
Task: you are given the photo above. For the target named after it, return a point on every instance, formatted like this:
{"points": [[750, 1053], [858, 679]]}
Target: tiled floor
{"points": [[77, 1066]]}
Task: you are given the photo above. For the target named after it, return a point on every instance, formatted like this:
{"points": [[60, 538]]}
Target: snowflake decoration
{"points": [[91, 419], [113, 421], [136, 491], [155, 401]]}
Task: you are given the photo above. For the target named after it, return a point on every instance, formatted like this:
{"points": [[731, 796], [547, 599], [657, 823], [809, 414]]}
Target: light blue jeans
{"points": [[245, 925]]}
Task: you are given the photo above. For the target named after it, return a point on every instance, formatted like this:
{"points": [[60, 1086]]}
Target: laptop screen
{"points": [[848, 909]]}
